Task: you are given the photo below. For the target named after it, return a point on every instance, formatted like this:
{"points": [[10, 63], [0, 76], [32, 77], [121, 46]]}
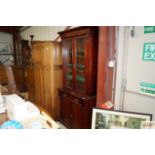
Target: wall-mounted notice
{"points": [[149, 51], [149, 29], [147, 88]]}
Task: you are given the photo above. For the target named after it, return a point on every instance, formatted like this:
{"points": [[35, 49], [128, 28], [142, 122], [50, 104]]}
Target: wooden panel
{"points": [[30, 75], [77, 115], [31, 84], [102, 59], [20, 78], [37, 55], [46, 75], [105, 74], [67, 112], [57, 78], [58, 84]]}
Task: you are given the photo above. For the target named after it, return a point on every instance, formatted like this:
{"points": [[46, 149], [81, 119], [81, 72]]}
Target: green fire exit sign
{"points": [[149, 29], [147, 88], [149, 52]]}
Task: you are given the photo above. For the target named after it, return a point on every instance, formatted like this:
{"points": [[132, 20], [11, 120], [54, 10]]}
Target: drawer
{"points": [[76, 100], [70, 97]]}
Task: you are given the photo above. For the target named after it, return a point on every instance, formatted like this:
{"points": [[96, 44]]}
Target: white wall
{"points": [[120, 50], [131, 70], [6, 37], [42, 33]]}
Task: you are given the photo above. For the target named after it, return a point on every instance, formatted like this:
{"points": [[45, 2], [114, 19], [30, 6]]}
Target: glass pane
{"points": [[69, 77], [80, 51], [80, 64], [68, 63], [68, 52]]}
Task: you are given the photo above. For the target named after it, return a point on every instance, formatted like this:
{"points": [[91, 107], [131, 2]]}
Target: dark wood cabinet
{"points": [[78, 96]]}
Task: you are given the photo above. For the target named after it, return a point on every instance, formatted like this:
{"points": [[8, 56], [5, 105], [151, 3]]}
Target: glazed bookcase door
{"points": [[80, 78], [68, 63]]}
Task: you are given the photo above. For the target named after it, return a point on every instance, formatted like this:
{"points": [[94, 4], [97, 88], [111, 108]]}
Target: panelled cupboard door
{"points": [[57, 77], [37, 55], [76, 112], [67, 112], [47, 65], [39, 85], [77, 115], [47, 77], [72, 112]]}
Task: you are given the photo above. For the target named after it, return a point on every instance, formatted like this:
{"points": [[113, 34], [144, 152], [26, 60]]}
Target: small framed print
{"points": [[107, 119], [5, 48]]}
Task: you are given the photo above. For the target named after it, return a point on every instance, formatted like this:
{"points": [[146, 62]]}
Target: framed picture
{"points": [[5, 48], [107, 119]]}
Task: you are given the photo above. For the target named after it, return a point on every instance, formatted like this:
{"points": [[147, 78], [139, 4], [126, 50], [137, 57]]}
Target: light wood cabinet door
{"points": [[47, 65]]}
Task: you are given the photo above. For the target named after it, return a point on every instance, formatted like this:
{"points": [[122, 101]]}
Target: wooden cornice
{"points": [[67, 28]]}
